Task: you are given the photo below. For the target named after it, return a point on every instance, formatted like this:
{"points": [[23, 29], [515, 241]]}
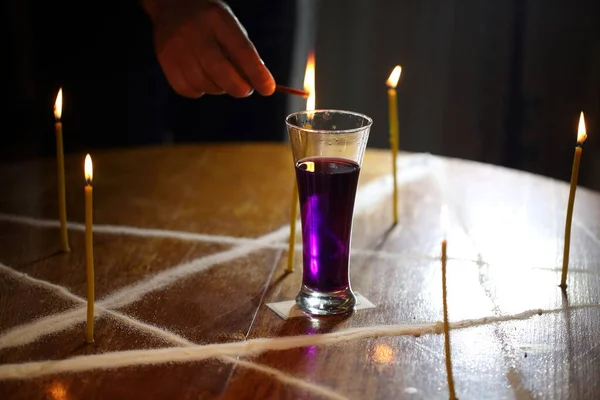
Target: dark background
{"points": [[501, 82]]}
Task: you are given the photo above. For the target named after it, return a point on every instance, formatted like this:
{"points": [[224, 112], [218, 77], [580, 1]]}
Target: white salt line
{"points": [[244, 348], [161, 280], [52, 324], [368, 196], [165, 278], [30, 332], [317, 389], [56, 289], [171, 337], [23, 334], [584, 228], [188, 236], [127, 230], [99, 310]]}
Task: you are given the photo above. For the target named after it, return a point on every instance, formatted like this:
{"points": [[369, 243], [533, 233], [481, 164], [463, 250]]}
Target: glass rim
{"points": [[351, 130]]}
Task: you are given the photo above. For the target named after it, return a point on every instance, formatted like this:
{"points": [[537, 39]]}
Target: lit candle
{"points": [[60, 163], [581, 136], [444, 224], [309, 86], [393, 122], [89, 247]]}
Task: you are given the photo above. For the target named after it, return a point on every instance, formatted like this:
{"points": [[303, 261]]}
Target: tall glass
{"points": [[328, 148]]}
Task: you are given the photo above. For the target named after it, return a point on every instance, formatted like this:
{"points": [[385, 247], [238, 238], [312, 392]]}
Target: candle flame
{"points": [[88, 169], [58, 105], [444, 219], [309, 81], [394, 77], [581, 132]]}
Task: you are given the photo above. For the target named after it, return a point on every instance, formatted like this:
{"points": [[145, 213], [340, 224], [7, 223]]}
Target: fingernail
{"points": [[249, 92]]}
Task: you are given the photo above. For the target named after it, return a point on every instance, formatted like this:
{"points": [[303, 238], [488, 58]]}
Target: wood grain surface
{"points": [[190, 246]]}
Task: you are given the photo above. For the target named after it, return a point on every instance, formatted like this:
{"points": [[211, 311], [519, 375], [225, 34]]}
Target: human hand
{"points": [[202, 48]]}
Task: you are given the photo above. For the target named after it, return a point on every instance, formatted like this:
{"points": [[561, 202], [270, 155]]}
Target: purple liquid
{"points": [[327, 189]]}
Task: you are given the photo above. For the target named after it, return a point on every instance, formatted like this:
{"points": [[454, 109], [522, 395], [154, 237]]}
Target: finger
{"points": [[204, 81], [177, 80], [178, 70], [220, 70], [199, 79], [231, 36], [191, 73], [194, 74], [209, 86]]}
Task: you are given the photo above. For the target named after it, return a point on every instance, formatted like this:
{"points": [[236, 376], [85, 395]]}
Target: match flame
{"points": [[444, 219], [88, 169], [581, 132], [394, 77], [58, 105], [309, 81]]}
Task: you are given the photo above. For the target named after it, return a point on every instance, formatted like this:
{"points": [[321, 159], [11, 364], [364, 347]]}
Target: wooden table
{"points": [[190, 246]]}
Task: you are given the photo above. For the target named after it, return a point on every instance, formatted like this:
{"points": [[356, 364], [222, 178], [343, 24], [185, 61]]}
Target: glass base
{"points": [[325, 303]]}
